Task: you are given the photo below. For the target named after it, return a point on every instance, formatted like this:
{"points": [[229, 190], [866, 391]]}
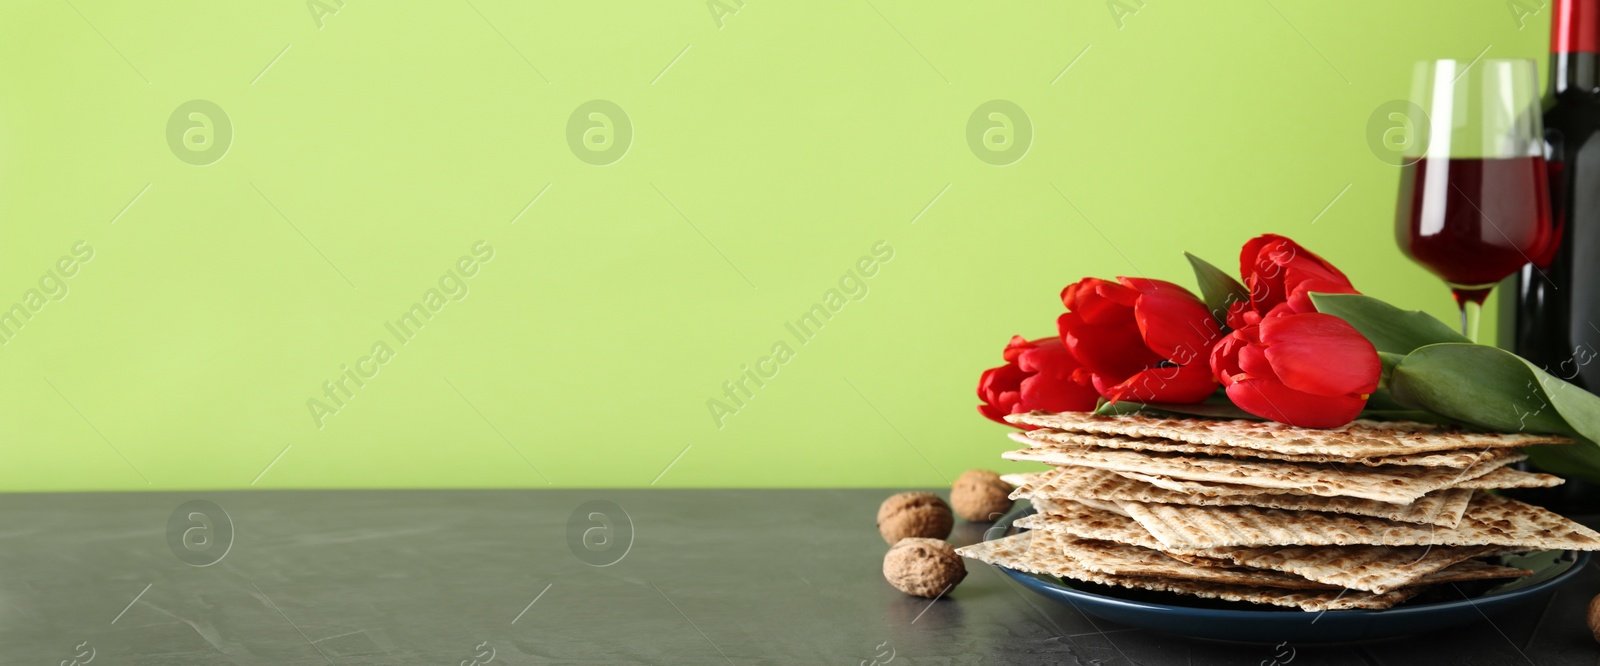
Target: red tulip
{"points": [[1277, 270], [1308, 369], [1038, 374], [1143, 339]]}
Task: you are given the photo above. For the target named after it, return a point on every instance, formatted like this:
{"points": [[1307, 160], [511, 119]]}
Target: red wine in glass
{"points": [[1475, 221], [1474, 202]]}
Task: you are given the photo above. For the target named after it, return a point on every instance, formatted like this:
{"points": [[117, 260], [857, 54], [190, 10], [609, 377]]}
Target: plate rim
{"points": [[1580, 560]]}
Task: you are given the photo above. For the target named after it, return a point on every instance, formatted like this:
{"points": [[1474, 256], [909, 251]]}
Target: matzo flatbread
{"points": [[1015, 552], [1376, 569], [1371, 568], [1395, 484], [1505, 477], [1019, 479], [1206, 488], [1472, 570], [1050, 436], [1020, 483], [1440, 507], [1069, 517], [1120, 559], [1490, 520], [1358, 439], [1102, 505], [1364, 567], [1198, 560]]}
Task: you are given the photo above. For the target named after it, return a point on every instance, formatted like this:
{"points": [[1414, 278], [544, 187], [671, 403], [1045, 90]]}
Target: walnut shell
{"points": [[923, 567], [980, 496], [1594, 617], [914, 514]]}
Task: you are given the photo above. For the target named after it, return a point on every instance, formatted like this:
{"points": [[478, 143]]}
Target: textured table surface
{"points": [[511, 577]]}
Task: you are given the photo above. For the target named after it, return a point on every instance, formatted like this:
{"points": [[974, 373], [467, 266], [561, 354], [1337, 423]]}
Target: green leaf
{"points": [[1545, 564], [1574, 461], [1382, 407], [1381, 400], [1218, 288], [1217, 406], [1404, 415], [1388, 360], [1494, 389], [1389, 328]]}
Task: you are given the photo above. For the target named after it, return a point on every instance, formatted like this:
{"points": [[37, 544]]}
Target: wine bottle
{"points": [[1552, 313], [1547, 314]]}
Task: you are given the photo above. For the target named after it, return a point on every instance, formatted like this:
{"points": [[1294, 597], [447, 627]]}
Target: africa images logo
{"points": [[452, 286], [53, 288], [852, 286]]}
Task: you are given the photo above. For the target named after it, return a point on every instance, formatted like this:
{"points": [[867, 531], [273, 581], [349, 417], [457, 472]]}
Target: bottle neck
{"points": [[1575, 48], [1574, 74]]}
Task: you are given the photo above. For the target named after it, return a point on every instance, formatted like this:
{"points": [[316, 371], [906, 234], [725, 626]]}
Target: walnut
{"points": [[980, 496], [1594, 612], [914, 515], [923, 567]]}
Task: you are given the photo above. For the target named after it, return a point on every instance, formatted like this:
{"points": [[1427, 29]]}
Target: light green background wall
{"points": [[790, 139]]}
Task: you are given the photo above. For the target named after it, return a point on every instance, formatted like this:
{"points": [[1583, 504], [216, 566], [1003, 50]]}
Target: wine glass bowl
{"points": [[1474, 204]]}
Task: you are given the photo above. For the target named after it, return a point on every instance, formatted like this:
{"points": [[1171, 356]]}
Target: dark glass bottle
{"points": [[1551, 313], [1554, 307]]}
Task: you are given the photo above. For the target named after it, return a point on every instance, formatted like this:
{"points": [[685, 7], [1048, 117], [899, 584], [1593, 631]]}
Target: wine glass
{"points": [[1474, 203]]}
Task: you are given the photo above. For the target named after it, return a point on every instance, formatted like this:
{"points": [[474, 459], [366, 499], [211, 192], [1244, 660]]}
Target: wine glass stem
{"points": [[1470, 314]]}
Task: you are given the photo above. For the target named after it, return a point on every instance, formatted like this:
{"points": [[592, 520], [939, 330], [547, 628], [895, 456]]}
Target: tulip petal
{"points": [[1041, 374], [1073, 293], [1173, 384], [1176, 325], [1278, 270], [996, 413], [1302, 265], [1087, 298], [1015, 348], [1272, 400], [1116, 351], [1241, 315], [1300, 298], [1261, 276], [1053, 393], [1320, 354], [995, 381], [1054, 385], [1253, 361], [1252, 250], [1151, 286], [1065, 324], [1117, 293], [1104, 384], [1051, 356], [1225, 359]]}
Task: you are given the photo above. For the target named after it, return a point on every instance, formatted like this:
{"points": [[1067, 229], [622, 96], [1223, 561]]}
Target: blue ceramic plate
{"points": [[1445, 606]]}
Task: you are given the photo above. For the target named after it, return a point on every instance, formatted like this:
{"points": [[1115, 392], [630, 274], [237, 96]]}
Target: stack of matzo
{"points": [[1363, 516]]}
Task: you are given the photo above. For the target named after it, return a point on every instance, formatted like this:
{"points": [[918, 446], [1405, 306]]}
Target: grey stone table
{"points": [[514, 577]]}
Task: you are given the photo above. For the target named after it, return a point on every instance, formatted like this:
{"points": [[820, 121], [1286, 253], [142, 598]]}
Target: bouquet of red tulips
{"points": [[1293, 342]]}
